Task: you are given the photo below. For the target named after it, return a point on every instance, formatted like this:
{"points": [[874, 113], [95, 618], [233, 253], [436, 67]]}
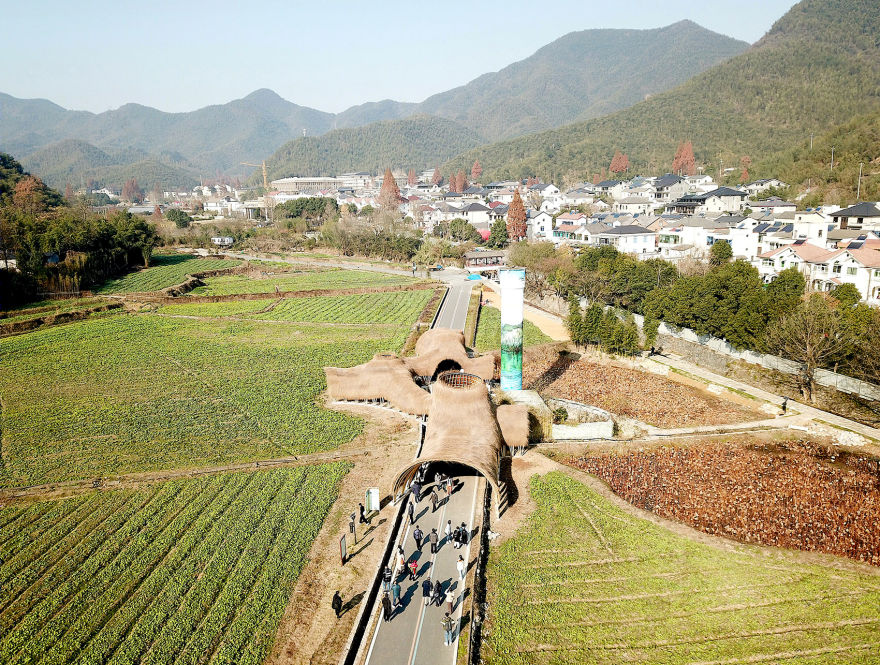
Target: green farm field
{"points": [[307, 281], [586, 582], [166, 270], [489, 331], [390, 308], [189, 571], [135, 393]]}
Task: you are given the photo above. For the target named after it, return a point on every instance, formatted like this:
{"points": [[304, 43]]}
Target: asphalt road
{"points": [[454, 312], [414, 635]]}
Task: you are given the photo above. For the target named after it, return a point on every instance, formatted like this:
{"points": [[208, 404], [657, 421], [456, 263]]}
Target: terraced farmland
{"points": [[143, 393], [166, 270], [193, 571], [216, 309], [306, 281], [392, 308], [489, 331], [586, 582]]}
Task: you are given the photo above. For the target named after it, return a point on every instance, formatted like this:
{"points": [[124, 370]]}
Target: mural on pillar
{"points": [[513, 284]]}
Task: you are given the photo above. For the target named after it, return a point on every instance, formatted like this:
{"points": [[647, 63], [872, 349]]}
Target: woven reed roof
{"points": [[462, 429], [442, 344], [385, 376], [513, 419]]}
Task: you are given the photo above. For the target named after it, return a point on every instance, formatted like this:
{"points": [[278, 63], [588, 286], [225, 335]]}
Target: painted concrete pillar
{"points": [[513, 283]]}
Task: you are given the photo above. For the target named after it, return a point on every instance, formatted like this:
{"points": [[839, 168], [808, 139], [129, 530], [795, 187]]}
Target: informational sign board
{"points": [[372, 501], [343, 552]]}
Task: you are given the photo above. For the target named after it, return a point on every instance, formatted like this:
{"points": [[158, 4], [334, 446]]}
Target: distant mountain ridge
{"points": [[818, 67], [579, 75]]}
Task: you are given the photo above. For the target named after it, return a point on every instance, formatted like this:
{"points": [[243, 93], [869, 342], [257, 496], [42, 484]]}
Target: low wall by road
{"points": [[597, 423]]}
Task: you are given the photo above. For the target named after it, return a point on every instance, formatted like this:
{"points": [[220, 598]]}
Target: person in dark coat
{"points": [[434, 500], [438, 593], [418, 535], [433, 538], [427, 590], [386, 607], [411, 511], [362, 510], [465, 534], [336, 603], [387, 574], [417, 491]]}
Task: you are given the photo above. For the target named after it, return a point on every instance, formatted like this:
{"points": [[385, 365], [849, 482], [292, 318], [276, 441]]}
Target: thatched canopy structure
{"points": [[461, 429], [441, 349], [385, 376], [513, 419]]}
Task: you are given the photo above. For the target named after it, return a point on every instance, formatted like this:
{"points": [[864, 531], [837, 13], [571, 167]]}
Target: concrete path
{"points": [[414, 635], [455, 307], [811, 412]]}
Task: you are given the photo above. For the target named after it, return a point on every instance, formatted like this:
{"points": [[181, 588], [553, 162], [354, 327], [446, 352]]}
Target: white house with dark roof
{"points": [[539, 225], [720, 199], [859, 216], [670, 187], [773, 205], [630, 239], [634, 205], [762, 185]]}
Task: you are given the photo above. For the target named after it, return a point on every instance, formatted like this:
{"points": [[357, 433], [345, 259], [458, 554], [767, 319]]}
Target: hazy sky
{"points": [[178, 56]]}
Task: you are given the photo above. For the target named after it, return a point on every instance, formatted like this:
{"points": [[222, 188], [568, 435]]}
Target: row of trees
{"points": [[728, 300]]}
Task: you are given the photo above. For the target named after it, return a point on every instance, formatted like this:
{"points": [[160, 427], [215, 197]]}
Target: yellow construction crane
{"points": [[265, 179]]}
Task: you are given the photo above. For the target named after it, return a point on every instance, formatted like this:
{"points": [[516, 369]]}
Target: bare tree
{"points": [[811, 334]]}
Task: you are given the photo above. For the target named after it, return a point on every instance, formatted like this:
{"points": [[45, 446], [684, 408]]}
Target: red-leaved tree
{"points": [[461, 182], [684, 161], [436, 179], [389, 195], [411, 179], [745, 162], [476, 170], [516, 218]]}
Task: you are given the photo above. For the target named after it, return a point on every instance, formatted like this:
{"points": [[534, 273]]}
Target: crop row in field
{"points": [[396, 308], [308, 281], [52, 308], [192, 571], [167, 270], [489, 331], [216, 309], [144, 393], [586, 582]]}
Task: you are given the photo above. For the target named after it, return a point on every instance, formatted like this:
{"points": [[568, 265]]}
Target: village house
{"points": [[630, 239], [762, 185], [720, 199], [859, 216]]}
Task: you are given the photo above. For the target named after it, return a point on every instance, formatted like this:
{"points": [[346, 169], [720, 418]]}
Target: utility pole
{"points": [[859, 188], [811, 142], [832, 159]]}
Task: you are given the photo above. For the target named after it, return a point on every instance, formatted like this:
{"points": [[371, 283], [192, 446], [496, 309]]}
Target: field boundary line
{"points": [[589, 519]]}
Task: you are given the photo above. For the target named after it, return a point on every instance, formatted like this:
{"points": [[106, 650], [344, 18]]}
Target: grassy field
{"points": [[52, 307], [191, 571], [391, 308], [585, 582], [166, 270], [217, 309], [323, 279], [141, 393], [489, 331]]}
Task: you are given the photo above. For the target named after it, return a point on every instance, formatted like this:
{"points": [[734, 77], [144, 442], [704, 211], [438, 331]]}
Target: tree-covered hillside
{"points": [[818, 67], [582, 75], [419, 142]]}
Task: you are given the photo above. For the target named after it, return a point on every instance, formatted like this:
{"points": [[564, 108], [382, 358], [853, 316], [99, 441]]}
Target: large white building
{"points": [[305, 185]]}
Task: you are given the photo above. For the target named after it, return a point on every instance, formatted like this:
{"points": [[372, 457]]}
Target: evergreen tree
{"points": [[516, 218], [720, 253], [593, 323], [498, 237], [575, 323]]}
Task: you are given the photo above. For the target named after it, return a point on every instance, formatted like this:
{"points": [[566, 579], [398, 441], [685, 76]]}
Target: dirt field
{"points": [[631, 393], [793, 494]]}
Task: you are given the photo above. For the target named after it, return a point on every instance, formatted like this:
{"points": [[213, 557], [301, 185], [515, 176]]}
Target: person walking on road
{"points": [[465, 534], [448, 624], [427, 590], [456, 537], [362, 510], [417, 490], [448, 530], [433, 538], [784, 406], [413, 569], [395, 593], [387, 574], [450, 485], [418, 535], [386, 608], [438, 594], [461, 565], [434, 500], [336, 603], [450, 599], [411, 511]]}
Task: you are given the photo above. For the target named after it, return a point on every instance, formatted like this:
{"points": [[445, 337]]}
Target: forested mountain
{"points": [[817, 67], [420, 142], [582, 75]]}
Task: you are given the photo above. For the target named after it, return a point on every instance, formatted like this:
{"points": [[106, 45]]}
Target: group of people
{"points": [[433, 593]]}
